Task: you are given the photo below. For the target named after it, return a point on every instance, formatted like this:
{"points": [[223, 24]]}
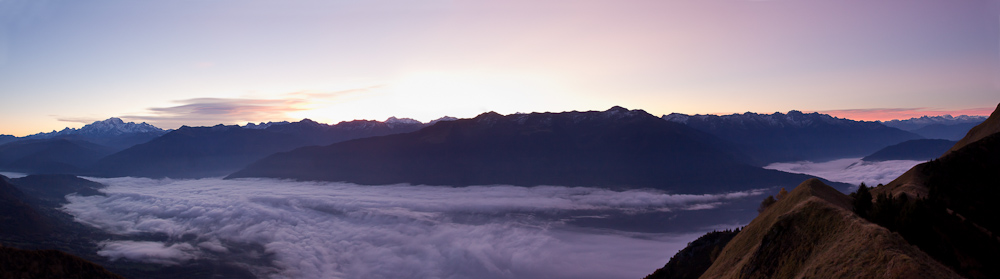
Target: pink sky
{"points": [[891, 114]]}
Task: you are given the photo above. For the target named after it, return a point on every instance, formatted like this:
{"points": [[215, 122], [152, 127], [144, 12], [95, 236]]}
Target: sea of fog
{"points": [[853, 171], [286, 229]]}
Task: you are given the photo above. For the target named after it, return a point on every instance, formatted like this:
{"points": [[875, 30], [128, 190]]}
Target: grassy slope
{"points": [[812, 233]]}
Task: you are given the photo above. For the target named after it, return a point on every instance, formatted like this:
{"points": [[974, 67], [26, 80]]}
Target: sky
{"points": [[186, 62]]}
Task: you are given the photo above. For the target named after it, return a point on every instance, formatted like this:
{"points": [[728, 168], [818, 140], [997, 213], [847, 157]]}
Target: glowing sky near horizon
{"points": [[172, 63]]}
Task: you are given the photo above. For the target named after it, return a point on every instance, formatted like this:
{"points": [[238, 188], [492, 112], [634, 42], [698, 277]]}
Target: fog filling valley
{"points": [[286, 229], [850, 170]]}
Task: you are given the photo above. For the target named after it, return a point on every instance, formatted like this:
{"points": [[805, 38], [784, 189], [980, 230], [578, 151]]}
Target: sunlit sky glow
{"points": [[185, 62]]}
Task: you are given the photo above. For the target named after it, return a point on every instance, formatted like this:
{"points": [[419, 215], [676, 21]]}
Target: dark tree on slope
{"points": [[862, 200], [767, 202]]}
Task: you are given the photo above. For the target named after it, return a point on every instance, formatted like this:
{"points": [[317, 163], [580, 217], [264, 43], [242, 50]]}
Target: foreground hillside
{"points": [[617, 148], [812, 233], [936, 221]]}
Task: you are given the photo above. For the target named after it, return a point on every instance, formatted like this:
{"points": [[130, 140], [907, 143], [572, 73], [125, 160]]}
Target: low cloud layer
{"points": [[852, 170], [339, 230]]}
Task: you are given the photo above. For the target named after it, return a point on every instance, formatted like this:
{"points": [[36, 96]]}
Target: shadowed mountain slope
{"points": [[60, 155], [812, 233], [51, 190], [921, 149], [191, 152], [951, 132], [7, 138], [796, 136], [617, 148], [17, 216]]}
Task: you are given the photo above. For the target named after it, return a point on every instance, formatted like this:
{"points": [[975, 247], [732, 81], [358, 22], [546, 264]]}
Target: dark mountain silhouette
{"points": [[796, 136], [616, 148], [18, 263], [18, 216], [921, 149], [60, 155], [194, 152], [951, 132], [51, 190], [7, 138]]}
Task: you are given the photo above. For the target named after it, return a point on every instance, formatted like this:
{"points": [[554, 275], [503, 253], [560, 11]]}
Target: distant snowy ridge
{"points": [[793, 118], [920, 122], [263, 125], [110, 127], [391, 121]]}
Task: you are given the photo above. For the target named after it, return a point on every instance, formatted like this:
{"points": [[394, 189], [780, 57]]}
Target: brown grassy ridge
{"points": [[812, 233]]}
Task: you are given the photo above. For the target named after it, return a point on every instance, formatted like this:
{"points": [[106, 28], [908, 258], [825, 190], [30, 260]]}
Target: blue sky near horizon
{"points": [[172, 63]]}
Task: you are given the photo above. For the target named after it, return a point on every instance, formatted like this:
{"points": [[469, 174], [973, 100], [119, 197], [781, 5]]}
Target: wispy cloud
{"points": [[84, 120], [341, 230], [885, 114], [212, 111]]}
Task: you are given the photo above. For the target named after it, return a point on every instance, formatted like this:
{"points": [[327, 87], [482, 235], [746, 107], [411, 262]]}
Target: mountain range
{"points": [[112, 132], [113, 147], [193, 152], [616, 148], [796, 136], [72, 150], [938, 127]]}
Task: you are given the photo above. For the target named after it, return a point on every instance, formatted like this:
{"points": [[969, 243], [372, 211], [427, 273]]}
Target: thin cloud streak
{"points": [[341, 230]]}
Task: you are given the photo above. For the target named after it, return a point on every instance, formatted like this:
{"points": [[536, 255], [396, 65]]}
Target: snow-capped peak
{"points": [[394, 120], [443, 118], [109, 127], [263, 125]]}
